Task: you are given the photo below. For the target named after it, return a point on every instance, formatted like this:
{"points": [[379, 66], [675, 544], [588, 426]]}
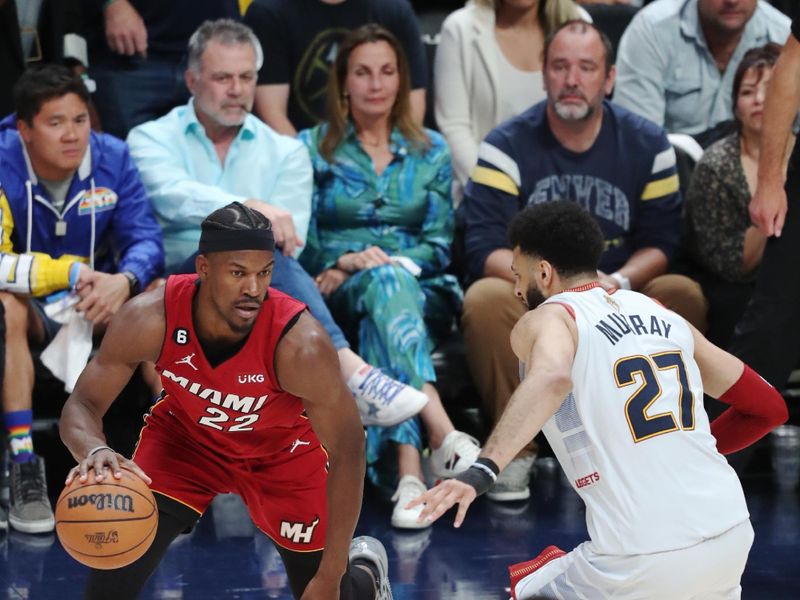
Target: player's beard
{"points": [[533, 297]]}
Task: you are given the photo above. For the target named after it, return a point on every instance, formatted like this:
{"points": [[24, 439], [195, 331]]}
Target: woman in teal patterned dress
{"points": [[379, 243]]}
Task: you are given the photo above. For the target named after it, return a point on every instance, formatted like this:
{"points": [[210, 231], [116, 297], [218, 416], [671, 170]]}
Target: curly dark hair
{"points": [[560, 232]]}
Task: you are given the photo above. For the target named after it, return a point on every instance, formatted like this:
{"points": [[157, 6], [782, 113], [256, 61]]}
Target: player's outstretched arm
{"points": [[545, 340], [134, 335], [307, 366], [756, 406]]}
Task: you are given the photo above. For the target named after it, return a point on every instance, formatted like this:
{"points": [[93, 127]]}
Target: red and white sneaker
{"points": [[520, 571]]}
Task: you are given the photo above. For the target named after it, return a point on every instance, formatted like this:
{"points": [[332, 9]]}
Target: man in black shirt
{"points": [[137, 51], [300, 39], [768, 335]]}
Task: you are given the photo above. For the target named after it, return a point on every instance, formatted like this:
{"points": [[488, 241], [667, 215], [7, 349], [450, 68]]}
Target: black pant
{"points": [[768, 335], [174, 518]]}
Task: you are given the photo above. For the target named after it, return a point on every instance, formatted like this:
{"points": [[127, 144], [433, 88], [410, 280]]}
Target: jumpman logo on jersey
{"points": [[187, 360], [298, 442]]}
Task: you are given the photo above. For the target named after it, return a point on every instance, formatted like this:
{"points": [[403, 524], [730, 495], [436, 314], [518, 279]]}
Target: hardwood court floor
{"points": [[224, 558]]}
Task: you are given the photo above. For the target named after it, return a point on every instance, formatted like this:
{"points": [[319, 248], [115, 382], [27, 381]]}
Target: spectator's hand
{"points": [[607, 282], [366, 259], [101, 295], [282, 226], [125, 30], [768, 208], [101, 462], [329, 281], [439, 499]]}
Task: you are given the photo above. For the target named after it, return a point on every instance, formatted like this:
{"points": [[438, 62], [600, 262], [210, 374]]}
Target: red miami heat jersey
{"points": [[236, 408]]}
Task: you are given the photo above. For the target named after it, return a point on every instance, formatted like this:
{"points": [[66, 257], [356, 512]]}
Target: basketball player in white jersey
{"points": [[616, 382]]}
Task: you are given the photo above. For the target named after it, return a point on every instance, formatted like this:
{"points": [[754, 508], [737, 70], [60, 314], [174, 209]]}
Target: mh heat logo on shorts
{"points": [[104, 199]]}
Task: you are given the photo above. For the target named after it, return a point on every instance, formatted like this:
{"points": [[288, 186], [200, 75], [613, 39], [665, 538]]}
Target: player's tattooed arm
{"points": [[307, 366], [135, 334]]}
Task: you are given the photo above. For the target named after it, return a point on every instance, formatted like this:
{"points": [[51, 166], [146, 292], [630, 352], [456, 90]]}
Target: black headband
{"points": [[229, 240]]}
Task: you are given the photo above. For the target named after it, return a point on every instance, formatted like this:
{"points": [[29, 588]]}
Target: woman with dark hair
{"points": [[379, 243], [719, 235]]}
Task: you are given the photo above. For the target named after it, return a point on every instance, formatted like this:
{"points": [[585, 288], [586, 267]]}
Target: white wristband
{"points": [[624, 282], [97, 449]]}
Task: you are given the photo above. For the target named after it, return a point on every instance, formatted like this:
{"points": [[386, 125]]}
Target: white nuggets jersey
{"points": [[633, 437]]}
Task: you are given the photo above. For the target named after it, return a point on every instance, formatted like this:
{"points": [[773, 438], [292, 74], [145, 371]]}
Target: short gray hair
{"points": [[228, 33]]}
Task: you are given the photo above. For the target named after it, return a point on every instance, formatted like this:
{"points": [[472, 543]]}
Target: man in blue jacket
{"points": [[74, 216]]}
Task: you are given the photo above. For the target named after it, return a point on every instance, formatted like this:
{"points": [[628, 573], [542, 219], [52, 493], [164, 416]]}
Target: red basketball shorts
{"points": [[285, 494]]}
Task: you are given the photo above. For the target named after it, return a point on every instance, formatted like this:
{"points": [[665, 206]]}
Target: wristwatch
{"points": [[133, 282]]}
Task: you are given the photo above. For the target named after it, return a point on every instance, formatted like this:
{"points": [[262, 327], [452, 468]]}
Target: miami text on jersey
{"points": [[244, 404]]}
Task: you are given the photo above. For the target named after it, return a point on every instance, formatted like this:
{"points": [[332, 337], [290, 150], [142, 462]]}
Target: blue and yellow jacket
{"points": [[106, 216]]}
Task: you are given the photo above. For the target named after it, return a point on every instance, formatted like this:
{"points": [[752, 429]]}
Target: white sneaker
{"points": [[512, 483], [410, 488], [457, 452], [382, 400], [370, 549]]}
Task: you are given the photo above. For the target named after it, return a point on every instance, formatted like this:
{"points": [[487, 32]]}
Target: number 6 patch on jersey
{"points": [[180, 336]]}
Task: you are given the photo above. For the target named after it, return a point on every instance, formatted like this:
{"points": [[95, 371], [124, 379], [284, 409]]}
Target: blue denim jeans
{"points": [[133, 90], [291, 279]]}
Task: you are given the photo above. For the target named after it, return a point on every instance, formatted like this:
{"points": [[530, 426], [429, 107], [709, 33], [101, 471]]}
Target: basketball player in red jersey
{"points": [[246, 373]]}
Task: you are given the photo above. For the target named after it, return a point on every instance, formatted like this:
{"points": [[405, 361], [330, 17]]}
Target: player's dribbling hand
{"points": [[101, 461], [439, 499]]}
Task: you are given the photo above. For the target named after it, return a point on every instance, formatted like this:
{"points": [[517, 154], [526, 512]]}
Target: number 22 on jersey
{"points": [[646, 370]]}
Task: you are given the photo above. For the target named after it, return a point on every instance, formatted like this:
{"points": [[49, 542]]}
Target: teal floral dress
{"points": [[394, 317]]}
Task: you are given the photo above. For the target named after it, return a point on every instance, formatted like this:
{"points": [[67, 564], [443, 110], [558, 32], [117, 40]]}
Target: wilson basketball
{"points": [[106, 525]]}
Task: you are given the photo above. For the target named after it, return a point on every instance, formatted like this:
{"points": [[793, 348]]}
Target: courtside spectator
{"points": [[721, 239], [580, 147], [75, 216], [300, 39], [137, 55], [677, 59], [379, 244], [488, 69], [212, 151]]}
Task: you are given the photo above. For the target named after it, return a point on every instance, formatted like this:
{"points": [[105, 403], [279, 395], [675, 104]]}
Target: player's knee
{"points": [[389, 281], [491, 299], [682, 295]]}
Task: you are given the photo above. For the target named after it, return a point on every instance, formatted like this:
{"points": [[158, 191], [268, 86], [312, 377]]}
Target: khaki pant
{"points": [[491, 310]]}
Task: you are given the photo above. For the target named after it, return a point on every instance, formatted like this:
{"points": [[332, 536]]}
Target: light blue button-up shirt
{"points": [[666, 73], [186, 181]]}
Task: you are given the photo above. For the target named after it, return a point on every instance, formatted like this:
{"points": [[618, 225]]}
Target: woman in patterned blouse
{"points": [[720, 237], [378, 244]]}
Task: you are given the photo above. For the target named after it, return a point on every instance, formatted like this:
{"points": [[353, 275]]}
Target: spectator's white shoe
{"points": [[382, 400], [410, 488], [457, 452], [371, 550], [512, 483]]}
